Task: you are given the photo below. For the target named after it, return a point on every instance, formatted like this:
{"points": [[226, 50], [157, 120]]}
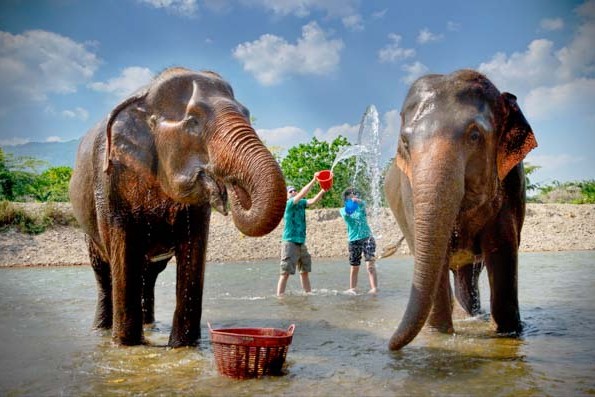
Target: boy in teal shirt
{"points": [[361, 241], [294, 253]]}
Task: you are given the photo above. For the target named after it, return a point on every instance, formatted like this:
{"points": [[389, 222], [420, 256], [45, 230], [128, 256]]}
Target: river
{"points": [[340, 341]]}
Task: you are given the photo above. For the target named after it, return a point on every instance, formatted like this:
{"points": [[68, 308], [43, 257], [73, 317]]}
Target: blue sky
{"points": [[304, 68]]}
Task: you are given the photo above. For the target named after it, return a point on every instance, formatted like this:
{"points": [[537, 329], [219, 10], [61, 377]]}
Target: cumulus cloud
{"points": [[131, 79], [38, 63], [425, 36], [271, 58], [552, 82], [573, 99], [77, 113], [283, 137], [393, 52], [551, 24], [345, 10], [188, 8], [348, 131], [413, 70]]}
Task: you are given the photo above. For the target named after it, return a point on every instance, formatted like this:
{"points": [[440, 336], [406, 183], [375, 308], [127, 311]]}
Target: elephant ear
{"points": [[107, 161], [517, 138]]}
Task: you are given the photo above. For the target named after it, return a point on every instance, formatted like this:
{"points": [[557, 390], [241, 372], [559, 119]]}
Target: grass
{"points": [[34, 221]]}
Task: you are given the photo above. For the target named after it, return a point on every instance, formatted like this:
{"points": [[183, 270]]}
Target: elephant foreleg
{"points": [[190, 258], [502, 267], [150, 274], [103, 310], [440, 318], [466, 280], [127, 256]]}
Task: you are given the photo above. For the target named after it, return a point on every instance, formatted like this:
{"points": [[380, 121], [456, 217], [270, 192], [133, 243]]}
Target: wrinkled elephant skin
{"points": [[143, 186], [457, 190]]}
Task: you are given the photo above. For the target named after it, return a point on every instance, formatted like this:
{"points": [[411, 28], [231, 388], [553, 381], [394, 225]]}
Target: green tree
{"points": [[52, 184], [529, 169], [304, 160]]}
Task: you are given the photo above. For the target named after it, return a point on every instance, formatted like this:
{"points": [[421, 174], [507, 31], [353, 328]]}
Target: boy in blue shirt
{"points": [[360, 239], [294, 253]]}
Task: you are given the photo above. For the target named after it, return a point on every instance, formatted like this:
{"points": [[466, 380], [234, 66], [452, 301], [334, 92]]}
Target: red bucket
{"points": [[325, 179]]}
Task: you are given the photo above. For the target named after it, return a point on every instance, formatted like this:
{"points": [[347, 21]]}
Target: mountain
{"points": [[55, 153]]}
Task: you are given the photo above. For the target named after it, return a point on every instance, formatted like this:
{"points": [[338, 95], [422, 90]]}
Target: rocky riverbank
{"points": [[548, 227]]}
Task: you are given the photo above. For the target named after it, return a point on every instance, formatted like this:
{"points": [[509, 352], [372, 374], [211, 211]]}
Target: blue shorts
{"points": [[365, 246]]}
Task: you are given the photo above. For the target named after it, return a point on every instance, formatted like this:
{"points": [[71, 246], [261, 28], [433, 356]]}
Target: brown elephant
{"points": [[457, 190], [142, 190]]}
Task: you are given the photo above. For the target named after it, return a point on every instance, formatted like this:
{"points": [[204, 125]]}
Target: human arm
{"points": [[302, 193], [316, 198]]}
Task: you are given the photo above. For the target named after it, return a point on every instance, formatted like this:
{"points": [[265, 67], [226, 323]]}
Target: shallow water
{"points": [[339, 346]]}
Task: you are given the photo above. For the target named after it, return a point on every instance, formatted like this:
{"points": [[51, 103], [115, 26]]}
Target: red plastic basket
{"points": [[250, 352]]}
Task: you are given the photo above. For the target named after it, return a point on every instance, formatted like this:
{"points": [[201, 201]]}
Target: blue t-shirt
{"points": [[295, 221], [357, 223]]}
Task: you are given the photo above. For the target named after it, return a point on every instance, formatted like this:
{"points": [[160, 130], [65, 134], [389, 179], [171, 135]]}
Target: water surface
{"points": [[339, 346]]}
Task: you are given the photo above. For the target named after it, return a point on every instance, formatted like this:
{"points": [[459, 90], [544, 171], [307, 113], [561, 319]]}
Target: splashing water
{"points": [[367, 154]]}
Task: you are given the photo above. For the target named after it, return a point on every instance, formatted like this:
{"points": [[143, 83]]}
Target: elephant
{"points": [[144, 182], [457, 190]]}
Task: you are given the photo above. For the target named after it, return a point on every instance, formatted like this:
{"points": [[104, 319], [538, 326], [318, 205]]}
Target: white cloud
{"points": [[348, 131], [131, 79], [414, 70], [271, 58], [284, 137], [345, 10], [353, 22], [38, 63], [379, 14], [393, 52], [572, 99], [453, 26], [551, 24], [425, 36], [76, 113], [54, 139], [188, 8]]}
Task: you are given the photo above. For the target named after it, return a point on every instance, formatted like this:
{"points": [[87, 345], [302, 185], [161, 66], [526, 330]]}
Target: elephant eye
{"points": [[474, 134]]}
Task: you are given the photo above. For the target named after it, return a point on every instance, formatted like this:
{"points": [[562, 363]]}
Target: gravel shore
{"points": [[548, 227]]}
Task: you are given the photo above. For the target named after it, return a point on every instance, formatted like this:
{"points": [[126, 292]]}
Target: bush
{"points": [[32, 221]]}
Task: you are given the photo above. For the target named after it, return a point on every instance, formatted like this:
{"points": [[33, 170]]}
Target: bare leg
{"points": [[371, 265], [305, 282], [282, 284], [353, 277]]}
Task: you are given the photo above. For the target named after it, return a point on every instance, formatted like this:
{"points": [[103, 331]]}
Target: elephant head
{"points": [[195, 139], [459, 140]]}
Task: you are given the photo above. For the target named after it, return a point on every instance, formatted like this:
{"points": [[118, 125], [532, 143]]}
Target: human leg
{"points": [[282, 284], [370, 256], [289, 259], [305, 267], [353, 277], [371, 265]]}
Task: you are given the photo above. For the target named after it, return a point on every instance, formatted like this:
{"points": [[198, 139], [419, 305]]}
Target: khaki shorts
{"points": [[294, 256]]}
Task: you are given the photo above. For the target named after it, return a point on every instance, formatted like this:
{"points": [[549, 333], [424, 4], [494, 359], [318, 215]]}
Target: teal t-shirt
{"points": [[295, 221], [357, 223]]}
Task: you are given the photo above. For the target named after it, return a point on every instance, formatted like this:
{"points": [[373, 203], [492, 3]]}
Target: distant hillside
{"points": [[55, 153]]}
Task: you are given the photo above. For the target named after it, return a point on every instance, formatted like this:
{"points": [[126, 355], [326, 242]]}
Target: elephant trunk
{"points": [[251, 174], [438, 193]]}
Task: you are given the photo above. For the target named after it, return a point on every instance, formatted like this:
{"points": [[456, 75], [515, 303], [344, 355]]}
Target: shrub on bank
{"points": [[34, 219]]}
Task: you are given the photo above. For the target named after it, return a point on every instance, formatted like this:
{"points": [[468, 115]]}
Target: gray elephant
{"points": [[457, 190], [143, 186]]}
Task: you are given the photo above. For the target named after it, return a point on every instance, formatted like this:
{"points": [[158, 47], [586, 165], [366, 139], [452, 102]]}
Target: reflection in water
{"points": [[339, 346]]}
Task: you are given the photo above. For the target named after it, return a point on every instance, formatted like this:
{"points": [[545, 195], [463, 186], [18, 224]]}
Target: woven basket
{"points": [[244, 353]]}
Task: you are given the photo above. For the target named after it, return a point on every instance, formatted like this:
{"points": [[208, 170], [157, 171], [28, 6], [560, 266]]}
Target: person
{"points": [[294, 253], [361, 241]]}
